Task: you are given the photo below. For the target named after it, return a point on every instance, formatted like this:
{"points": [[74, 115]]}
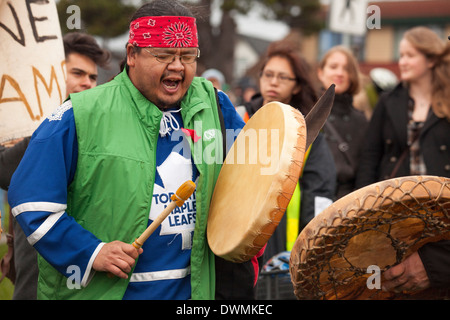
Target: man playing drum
{"points": [[83, 56], [104, 164]]}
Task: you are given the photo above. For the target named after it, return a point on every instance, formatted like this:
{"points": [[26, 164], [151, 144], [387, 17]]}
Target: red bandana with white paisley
{"points": [[164, 32]]}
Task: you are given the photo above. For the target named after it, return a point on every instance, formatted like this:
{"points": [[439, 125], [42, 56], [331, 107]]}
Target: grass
{"points": [[6, 286]]}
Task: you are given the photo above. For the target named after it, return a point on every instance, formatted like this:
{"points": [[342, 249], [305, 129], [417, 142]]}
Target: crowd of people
{"points": [[77, 174]]}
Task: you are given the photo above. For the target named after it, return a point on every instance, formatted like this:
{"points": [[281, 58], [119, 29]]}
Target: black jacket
{"points": [[385, 142], [344, 131]]}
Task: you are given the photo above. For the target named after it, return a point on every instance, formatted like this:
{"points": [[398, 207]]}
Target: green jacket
{"points": [[117, 132]]}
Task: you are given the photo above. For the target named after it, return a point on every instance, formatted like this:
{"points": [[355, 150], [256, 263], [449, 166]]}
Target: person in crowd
{"points": [[245, 89], [216, 77], [409, 134], [285, 77], [346, 126], [100, 169], [83, 56]]}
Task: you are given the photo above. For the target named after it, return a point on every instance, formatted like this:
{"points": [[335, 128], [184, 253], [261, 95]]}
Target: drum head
{"points": [[371, 229], [256, 182]]}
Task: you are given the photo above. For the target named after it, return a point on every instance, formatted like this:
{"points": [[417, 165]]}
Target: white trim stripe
{"points": [[38, 206], [90, 272], [44, 227], [160, 275]]}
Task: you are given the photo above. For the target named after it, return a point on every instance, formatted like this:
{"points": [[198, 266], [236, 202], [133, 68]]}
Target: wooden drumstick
{"points": [[183, 193]]}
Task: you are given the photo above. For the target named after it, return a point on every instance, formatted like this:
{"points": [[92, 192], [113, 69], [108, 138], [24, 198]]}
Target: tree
{"points": [[104, 18], [298, 14], [217, 44]]}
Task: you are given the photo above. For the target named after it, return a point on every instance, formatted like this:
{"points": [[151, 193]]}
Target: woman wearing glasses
{"points": [[285, 77]]}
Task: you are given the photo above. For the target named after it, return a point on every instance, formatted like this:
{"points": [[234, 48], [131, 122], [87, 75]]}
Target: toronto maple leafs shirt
{"points": [[162, 271]]}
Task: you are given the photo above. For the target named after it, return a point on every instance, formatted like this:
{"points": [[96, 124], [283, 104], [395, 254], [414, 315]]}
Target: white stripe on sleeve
{"points": [[38, 206], [44, 227]]}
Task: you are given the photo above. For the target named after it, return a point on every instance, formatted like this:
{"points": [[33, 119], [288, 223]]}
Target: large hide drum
{"points": [[256, 182], [377, 226]]}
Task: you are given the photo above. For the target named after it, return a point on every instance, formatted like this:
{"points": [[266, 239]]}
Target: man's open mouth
{"points": [[170, 84]]}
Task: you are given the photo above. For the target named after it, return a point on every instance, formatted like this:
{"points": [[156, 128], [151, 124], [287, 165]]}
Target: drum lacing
{"points": [[433, 213], [168, 123]]}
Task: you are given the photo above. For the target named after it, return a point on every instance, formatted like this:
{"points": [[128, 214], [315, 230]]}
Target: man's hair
{"points": [[86, 45], [162, 8]]}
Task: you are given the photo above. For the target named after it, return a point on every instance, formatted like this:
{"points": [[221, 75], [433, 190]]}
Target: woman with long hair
{"points": [[409, 134], [346, 126]]}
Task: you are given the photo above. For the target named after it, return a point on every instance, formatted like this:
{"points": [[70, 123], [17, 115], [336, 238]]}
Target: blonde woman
{"points": [[346, 126], [409, 134]]}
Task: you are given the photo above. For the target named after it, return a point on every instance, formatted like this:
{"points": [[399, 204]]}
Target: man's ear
{"points": [[131, 55]]}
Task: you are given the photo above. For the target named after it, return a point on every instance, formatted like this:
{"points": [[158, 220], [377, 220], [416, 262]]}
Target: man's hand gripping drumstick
{"points": [[183, 193], [118, 258]]}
